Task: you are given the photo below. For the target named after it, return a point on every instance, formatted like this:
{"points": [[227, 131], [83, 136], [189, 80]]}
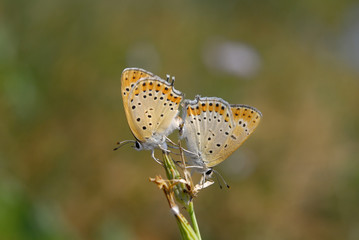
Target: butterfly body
{"points": [[151, 106], [213, 129]]}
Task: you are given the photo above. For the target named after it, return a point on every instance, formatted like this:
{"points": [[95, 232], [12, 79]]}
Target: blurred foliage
{"points": [[61, 113]]}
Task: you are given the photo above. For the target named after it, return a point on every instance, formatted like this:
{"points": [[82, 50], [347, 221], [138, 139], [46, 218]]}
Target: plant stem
{"points": [[180, 192], [192, 215]]}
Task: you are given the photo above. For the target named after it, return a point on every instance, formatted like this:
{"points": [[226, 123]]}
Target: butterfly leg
{"points": [[172, 145], [192, 153], [156, 159], [203, 180], [170, 141], [176, 146], [163, 149]]}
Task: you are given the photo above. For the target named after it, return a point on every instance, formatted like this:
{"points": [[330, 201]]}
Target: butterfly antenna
{"points": [[173, 81], [224, 181], [120, 144], [168, 77], [219, 183]]}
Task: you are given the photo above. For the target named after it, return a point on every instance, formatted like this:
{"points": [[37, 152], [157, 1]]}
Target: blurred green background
{"points": [[61, 114]]}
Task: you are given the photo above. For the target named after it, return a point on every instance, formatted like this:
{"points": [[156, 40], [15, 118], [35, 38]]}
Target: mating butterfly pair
{"points": [[212, 128]]}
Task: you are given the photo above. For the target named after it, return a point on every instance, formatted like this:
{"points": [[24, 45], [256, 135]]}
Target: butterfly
{"points": [[151, 106], [213, 129]]}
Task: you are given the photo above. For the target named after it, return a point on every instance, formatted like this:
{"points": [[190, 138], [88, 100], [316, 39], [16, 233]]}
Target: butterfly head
{"points": [[208, 174]]}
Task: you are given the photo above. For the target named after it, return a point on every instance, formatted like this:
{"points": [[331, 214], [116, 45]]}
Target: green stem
{"points": [[173, 174], [194, 220], [187, 231]]}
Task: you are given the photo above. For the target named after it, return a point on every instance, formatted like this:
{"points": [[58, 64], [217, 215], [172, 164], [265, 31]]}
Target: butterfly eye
{"points": [[138, 146], [209, 172]]}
